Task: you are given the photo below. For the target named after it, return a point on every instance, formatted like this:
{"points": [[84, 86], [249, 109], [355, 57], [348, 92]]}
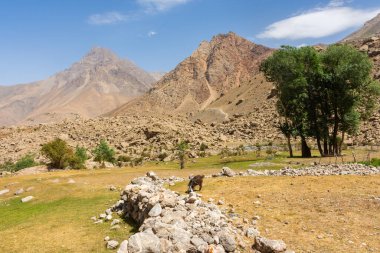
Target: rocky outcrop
{"points": [[216, 67]]}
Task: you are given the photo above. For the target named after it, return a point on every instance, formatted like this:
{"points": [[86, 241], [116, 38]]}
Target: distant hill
{"points": [[98, 83], [220, 78], [369, 29]]}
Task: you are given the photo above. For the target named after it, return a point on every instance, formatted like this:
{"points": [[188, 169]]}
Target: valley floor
{"points": [[311, 214]]}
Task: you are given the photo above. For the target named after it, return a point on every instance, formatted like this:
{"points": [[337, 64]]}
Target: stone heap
{"points": [[169, 222], [320, 170]]}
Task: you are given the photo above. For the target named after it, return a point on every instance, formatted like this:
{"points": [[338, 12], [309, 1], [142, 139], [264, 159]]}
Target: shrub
{"points": [[25, 162], [374, 162], [162, 156], [103, 153], [79, 158], [8, 165], [58, 152], [203, 147]]}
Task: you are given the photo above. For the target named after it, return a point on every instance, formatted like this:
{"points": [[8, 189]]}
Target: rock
{"points": [[198, 243], [108, 217], [71, 181], [228, 172], [19, 191], [220, 202], [252, 232], [27, 199], [112, 188], [29, 189], [227, 241], [93, 218], [144, 242], [102, 216], [155, 211], [123, 247], [115, 221], [4, 191], [265, 245], [112, 244], [115, 227], [107, 238]]}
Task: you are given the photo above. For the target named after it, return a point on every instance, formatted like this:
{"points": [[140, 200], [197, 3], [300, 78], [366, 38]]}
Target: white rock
{"points": [[4, 191], [123, 247], [155, 211], [27, 199], [112, 244], [19, 191]]}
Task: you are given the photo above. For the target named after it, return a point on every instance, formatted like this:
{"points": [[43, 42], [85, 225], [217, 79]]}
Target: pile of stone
{"points": [[320, 170], [170, 222]]}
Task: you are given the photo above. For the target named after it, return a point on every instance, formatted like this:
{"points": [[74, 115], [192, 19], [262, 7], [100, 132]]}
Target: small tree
{"points": [[103, 153], [79, 158], [58, 152], [182, 148]]}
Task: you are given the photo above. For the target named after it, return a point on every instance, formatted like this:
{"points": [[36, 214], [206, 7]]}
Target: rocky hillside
{"points": [[98, 83], [225, 65], [370, 28]]}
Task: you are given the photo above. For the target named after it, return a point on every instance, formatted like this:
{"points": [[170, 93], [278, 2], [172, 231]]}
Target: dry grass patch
{"points": [[311, 214]]}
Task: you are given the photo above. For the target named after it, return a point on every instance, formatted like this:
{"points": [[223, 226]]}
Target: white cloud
{"points": [[151, 34], [107, 18], [319, 22], [160, 5], [145, 7]]}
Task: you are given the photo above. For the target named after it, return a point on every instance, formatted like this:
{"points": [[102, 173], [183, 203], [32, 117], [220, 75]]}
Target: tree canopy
{"points": [[321, 94]]}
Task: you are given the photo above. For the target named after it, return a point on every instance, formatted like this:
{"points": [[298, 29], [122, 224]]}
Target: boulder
{"points": [[265, 245], [144, 242], [4, 191], [112, 244], [123, 247], [227, 241], [228, 172], [155, 211]]}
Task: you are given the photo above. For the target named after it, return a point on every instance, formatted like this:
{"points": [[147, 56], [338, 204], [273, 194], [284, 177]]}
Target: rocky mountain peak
{"points": [[370, 28], [99, 55]]}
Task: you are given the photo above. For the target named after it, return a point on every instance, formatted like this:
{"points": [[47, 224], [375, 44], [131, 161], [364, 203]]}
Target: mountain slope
{"points": [[98, 83], [225, 63], [370, 28]]}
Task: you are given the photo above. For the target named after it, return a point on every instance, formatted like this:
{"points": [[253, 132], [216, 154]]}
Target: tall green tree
{"points": [[182, 149], [103, 153], [321, 94]]}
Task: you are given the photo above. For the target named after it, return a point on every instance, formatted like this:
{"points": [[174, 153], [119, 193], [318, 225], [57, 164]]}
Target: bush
{"points": [[103, 153], [162, 156], [25, 162], [58, 152], [374, 162], [7, 166], [203, 147], [79, 158]]}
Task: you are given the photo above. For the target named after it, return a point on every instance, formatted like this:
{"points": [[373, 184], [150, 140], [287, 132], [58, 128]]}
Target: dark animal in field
{"points": [[194, 181]]}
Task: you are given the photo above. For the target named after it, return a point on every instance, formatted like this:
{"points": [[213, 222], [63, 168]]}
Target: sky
{"points": [[39, 38]]}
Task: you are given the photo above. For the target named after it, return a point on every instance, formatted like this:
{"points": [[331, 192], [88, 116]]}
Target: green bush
{"points": [[7, 166], [203, 147], [58, 152], [25, 162], [374, 162], [79, 158], [103, 153]]}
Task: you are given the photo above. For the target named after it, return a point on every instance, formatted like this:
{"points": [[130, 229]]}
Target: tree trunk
{"points": [[325, 147], [335, 133], [290, 147], [306, 152], [319, 146], [341, 142]]}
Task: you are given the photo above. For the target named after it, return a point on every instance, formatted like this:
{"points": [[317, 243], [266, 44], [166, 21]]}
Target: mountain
{"points": [[216, 80], [98, 83], [369, 29]]}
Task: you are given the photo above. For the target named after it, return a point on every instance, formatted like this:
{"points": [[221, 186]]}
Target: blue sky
{"points": [[39, 38]]}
